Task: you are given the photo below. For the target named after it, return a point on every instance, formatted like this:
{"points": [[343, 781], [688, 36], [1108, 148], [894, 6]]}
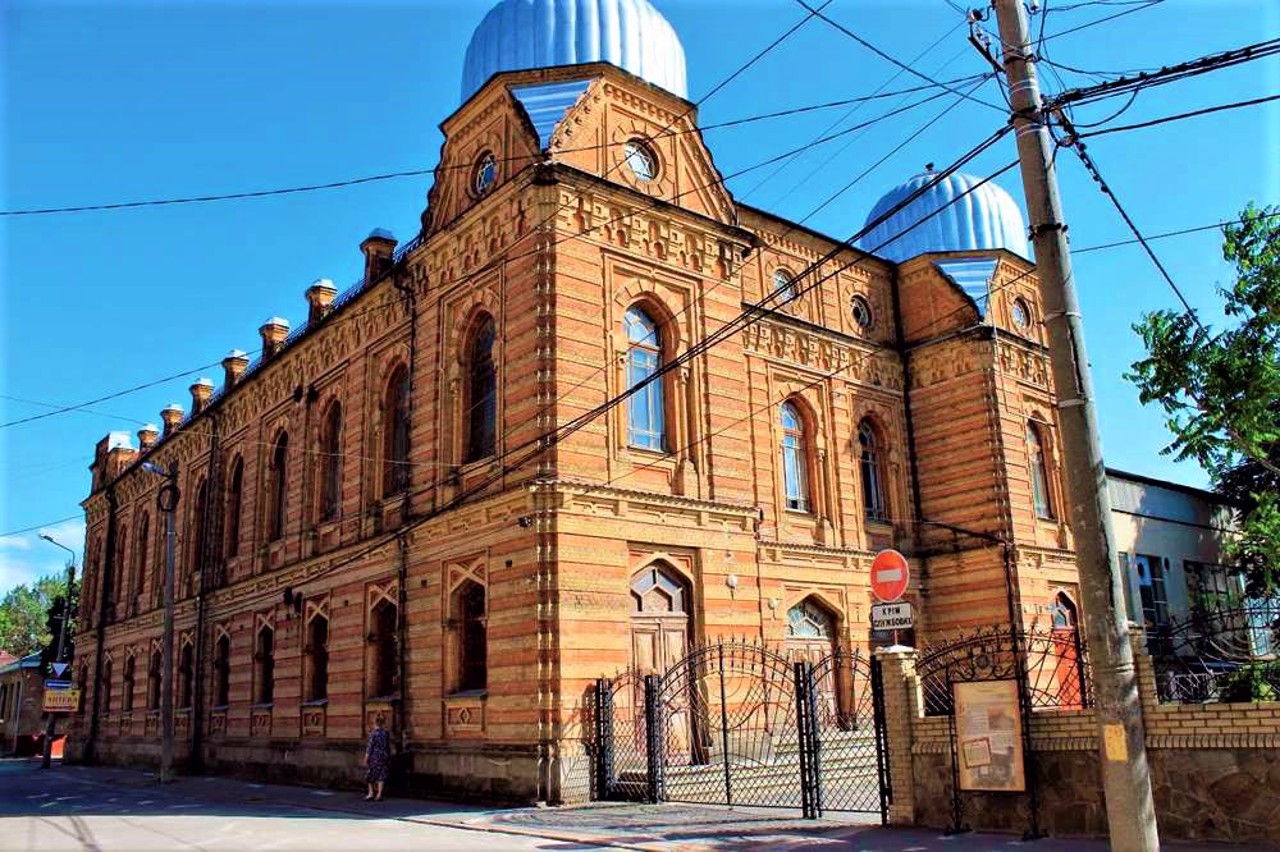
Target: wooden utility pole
{"points": [[1126, 777]]}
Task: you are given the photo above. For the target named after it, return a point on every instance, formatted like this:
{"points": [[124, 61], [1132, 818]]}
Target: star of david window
{"points": [[485, 173], [641, 160]]}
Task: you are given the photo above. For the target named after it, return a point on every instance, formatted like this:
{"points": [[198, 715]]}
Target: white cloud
{"points": [[25, 558]]}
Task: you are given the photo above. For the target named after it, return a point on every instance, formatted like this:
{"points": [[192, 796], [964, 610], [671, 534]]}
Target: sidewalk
{"points": [[687, 828]]}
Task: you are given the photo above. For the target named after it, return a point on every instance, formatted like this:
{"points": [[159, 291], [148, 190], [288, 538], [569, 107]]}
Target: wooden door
{"points": [[660, 640]]}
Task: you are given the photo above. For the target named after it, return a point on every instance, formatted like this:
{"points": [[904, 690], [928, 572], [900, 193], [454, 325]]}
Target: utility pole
{"points": [[46, 760], [1126, 777], [167, 502]]}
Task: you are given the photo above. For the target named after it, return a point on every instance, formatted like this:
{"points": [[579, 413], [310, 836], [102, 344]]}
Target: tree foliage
{"points": [[24, 615], [1220, 390]]}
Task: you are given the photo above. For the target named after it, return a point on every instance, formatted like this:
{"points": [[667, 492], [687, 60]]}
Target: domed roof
{"points": [[986, 218], [518, 34]]}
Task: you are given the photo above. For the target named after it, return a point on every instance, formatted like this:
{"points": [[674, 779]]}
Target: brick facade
{"points": [[561, 545]]}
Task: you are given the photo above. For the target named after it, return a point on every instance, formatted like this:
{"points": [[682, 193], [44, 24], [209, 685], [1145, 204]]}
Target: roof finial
{"points": [[928, 168]]}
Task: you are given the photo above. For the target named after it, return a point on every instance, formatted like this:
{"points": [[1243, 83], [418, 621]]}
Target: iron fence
{"points": [[1219, 654]]}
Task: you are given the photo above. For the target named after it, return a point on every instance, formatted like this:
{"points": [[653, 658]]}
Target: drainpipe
{"points": [[104, 594], [402, 599]]}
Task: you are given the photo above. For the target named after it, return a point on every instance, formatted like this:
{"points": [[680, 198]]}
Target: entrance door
{"points": [[811, 636], [660, 639]]}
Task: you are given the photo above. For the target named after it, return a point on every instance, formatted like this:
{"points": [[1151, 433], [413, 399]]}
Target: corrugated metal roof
{"points": [[631, 34], [547, 103], [986, 217], [972, 275], [30, 661]]}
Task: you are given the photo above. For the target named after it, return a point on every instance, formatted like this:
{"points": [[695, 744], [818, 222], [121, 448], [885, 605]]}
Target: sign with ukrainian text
{"points": [[61, 700]]}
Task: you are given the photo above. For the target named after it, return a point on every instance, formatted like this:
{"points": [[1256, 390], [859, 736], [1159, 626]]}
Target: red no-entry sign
{"points": [[889, 575]]}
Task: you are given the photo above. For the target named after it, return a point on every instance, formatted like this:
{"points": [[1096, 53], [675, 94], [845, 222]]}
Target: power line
{"points": [[885, 56], [75, 517], [1078, 147], [1179, 116], [1195, 230]]}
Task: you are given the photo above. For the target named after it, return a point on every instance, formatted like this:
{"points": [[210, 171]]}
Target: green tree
{"points": [[1220, 390], [24, 613]]}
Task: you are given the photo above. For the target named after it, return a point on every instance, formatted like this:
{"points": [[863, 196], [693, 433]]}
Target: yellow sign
{"points": [[989, 733], [1116, 747], [61, 700]]}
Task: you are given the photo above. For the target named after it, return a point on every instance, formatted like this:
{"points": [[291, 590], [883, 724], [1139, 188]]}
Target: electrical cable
{"points": [[885, 56], [1178, 117]]}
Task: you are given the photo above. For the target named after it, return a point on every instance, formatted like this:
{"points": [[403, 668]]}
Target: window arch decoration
{"points": [[235, 506], [316, 651], [871, 468], [1037, 459], [646, 414], [811, 619], [480, 396], [222, 668], [395, 431], [278, 487], [795, 456], [330, 478], [382, 676]]}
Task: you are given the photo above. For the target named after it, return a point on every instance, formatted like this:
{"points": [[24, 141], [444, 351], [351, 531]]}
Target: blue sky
{"points": [[108, 102]]}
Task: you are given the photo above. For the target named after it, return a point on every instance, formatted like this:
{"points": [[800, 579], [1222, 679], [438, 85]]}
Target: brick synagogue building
{"points": [[371, 522]]}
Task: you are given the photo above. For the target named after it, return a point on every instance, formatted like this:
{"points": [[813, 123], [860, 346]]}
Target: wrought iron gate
{"points": [[741, 724]]}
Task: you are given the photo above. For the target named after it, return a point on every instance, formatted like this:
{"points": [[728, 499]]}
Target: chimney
{"points": [[233, 367], [171, 414], [200, 393], [320, 296], [273, 332], [147, 437], [378, 249]]}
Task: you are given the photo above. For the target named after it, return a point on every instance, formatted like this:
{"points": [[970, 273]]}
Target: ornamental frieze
{"points": [[1030, 367], [852, 363]]}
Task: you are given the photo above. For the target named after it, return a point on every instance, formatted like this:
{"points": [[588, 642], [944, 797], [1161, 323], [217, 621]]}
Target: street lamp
{"points": [[167, 502], [51, 722]]}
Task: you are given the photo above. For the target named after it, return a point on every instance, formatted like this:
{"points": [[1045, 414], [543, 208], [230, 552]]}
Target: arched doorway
{"points": [[1069, 661], [812, 635], [659, 619]]}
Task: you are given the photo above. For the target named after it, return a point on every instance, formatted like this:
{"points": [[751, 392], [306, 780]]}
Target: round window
{"points": [[640, 158], [485, 173], [860, 308], [1021, 314]]}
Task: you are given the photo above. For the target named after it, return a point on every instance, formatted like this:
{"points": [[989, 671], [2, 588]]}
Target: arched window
{"points": [[331, 464], [222, 671], [381, 677], [278, 489], [126, 699], [783, 285], [200, 524], [1064, 612], [1039, 471], [235, 502], [645, 415], [141, 545], [186, 668], [872, 473], [117, 603], [153, 680], [264, 667], [316, 656], [794, 459], [481, 398], [808, 620], [472, 637], [395, 436], [106, 688]]}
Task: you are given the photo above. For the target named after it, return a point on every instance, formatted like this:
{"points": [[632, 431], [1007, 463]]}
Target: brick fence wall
{"points": [[1215, 768]]}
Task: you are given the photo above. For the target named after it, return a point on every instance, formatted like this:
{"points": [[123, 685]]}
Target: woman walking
{"points": [[377, 755]]}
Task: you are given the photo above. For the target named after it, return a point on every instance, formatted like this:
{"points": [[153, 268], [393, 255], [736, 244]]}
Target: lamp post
{"points": [[51, 722], [167, 502]]}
